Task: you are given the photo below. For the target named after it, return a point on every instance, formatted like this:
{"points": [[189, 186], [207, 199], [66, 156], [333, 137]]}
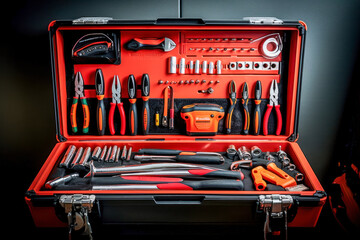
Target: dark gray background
{"points": [[27, 129]]}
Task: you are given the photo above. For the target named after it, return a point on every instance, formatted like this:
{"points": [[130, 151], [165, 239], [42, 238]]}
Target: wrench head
{"points": [[169, 45]]}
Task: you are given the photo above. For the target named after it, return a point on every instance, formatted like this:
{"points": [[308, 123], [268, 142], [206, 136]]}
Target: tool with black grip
{"points": [[227, 184], [116, 101], [166, 44], [132, 110], [156, 151], [245, 103], [232, 97], [257, 111], [145, 91], [199, 159], [79, 93], [100, 109], [192, 173]]}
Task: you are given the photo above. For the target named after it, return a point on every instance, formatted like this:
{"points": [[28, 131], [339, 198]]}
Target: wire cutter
{"points": [[133, 117], [116, 101], [79, 93], [232, 97], [273, 101]]}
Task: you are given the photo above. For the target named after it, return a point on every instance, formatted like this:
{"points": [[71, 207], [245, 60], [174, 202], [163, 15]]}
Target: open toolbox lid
{"points": [[188, 35]]}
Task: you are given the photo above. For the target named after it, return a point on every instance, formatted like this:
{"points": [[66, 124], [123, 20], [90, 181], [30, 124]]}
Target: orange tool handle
{"points": [[246, 116], [86, 114], [100, 115], [146, 115], [259, 183], [229, 115], [257, 117], [133, 117]]}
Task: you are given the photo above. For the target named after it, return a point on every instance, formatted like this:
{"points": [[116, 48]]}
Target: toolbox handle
{"points": [[179, 21], [178, 200]]}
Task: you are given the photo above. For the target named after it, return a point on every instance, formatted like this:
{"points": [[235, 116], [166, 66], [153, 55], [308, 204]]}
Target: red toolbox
{"points": [[205, 121]]}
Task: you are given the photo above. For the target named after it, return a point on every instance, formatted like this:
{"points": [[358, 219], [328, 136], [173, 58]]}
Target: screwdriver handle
{"points": [[122, 118], [146, 115], [257, 117], [246, 116], [133, 117], [199, 159], [100, 115], [229, 116], [204, 185]]}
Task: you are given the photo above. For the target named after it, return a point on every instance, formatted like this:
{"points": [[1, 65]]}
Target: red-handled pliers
{"points": [[273, 101], [116, 94]]}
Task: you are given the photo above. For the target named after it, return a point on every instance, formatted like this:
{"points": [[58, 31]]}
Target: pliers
{"points": [[273, 101], [245, 103], [232, 97], [133, 118], [116, 101], [79, 93]]}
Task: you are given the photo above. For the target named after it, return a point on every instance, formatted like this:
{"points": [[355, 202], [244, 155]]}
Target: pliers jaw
{"points": [[232, 91], [79, 85], [245, 91], [116, 90], [274, 93]]}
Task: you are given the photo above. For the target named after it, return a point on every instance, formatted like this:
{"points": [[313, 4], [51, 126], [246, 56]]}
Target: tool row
{"points": [[105, 170], [273, 102]]}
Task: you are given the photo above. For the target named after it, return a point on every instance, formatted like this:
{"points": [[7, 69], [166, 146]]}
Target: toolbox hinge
{"points": [[77, 207], [92, 20], [263, 20], [276, 208]]}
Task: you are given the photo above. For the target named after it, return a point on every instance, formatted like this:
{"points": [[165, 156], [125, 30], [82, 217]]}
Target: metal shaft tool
{"points": [[166, 44], [100, 109], [201, 159]]}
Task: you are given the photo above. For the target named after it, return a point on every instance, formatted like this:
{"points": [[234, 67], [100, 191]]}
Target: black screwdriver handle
{"points": [[133, 118], [200, 159]]}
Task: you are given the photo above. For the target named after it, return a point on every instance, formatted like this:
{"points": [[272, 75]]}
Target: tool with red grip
{"points": [[79, 93], [133, 118], [227, 184], [166, 44], [273, 101], [100, 109], [116, 101], [145, 91]]}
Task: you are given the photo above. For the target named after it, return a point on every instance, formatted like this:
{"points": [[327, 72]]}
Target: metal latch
{"points": [[263, 20], [276, 208], [77, 207], [92, 20]]}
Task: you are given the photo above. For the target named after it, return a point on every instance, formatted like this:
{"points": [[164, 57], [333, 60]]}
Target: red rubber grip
{"points": [[279, 120], [122, 118], [111, 118], [266, 119]]}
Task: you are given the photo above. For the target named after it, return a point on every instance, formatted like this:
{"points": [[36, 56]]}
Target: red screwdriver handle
{"points": [[266, 119], [122, 118], [279, 120], [111, 118]]}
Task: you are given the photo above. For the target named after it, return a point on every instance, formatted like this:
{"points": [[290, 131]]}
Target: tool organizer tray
{"points": [[189, 85]]}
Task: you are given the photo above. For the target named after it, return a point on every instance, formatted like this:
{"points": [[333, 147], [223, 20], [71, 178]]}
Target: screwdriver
{"points": [[132, 110], [145, 91], [245, 102], [257, 112], [100, 110], [232, 96]]}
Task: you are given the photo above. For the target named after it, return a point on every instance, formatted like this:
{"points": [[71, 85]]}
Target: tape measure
{"points": [[202, 119]]}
